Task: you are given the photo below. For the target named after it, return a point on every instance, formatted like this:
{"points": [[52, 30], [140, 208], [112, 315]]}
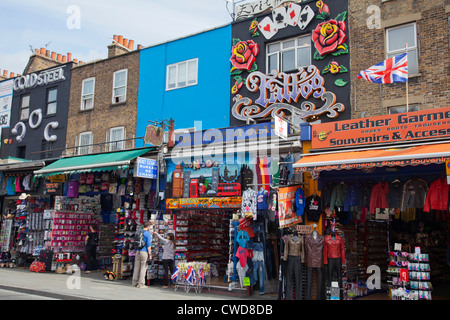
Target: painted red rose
{"points": [[243, 54], [329, 36]]}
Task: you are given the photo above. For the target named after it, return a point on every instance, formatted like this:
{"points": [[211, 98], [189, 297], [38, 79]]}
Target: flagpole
{"points": [[407, 85]]}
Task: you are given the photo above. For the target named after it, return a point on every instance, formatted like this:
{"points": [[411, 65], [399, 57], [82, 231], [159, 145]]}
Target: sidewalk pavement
{"points": [[81, 286]]}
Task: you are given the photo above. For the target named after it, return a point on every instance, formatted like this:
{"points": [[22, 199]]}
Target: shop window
{"points": [[87, 94], [25, 107], [116, 137], [85, 143], [289, 55], [182, 74], [402, 109], [120, 86], [396, 40], [52, 95]]}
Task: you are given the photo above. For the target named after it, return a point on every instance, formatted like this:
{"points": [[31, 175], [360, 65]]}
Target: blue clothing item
{"points": [[259, 273], [243, 238], [289, 159], [300, 201], [147, 240], [262, 199], [352, 196]]}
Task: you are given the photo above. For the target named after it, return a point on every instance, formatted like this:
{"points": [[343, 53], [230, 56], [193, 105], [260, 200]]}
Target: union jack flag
{"points": [[392, 70], [190, 276], [175, 274]]}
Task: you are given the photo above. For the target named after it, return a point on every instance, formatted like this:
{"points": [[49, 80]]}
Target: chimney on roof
{"points": [[120, 45]]}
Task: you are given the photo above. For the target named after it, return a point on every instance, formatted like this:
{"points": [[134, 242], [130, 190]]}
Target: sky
{"points": [[86, 27]]}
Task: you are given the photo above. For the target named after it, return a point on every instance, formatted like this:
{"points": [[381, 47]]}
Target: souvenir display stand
{"points": [[194, 276]]}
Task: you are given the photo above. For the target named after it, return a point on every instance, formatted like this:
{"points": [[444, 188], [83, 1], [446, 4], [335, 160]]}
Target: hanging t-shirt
{"points": [[248, 206], [272, 205], [242, 254], [300, 201], [313, 208], [262, 199], [242, 238]]}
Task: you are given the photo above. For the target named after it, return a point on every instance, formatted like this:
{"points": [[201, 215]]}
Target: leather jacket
{"points": [[314, 251], [334, 249], [437, 196], [294, 248]]}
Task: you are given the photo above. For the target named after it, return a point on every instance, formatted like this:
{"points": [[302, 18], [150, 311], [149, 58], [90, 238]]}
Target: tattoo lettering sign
{"points": [[277, 90], [257, 7]]}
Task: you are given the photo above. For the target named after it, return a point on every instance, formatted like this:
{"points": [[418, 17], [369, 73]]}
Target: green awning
{"points": [[93, 162]]}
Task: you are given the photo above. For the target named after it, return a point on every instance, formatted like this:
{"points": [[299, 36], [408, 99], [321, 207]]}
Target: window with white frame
{"points": [[402, 109], [120, 86], [116, 137], [289, 55], [87, 94], [182, 74], [396, 40], [85, 143], [24, 107], [52, 95]]}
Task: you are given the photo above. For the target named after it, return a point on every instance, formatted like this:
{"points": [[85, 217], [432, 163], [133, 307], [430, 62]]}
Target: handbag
{"points": [[37, 266]]}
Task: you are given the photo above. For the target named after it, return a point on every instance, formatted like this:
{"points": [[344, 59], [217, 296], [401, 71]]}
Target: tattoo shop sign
{"points": [[257, 7]]}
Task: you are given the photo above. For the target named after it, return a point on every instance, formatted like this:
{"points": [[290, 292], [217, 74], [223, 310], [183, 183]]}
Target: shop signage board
{"points": [[6, 95], [53, 187], [146, 168], [281, 127], [287, 216], [204, 203], [395, 128]]}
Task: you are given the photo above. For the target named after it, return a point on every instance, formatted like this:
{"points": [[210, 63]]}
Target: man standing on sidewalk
{"points": [[142, 255]]}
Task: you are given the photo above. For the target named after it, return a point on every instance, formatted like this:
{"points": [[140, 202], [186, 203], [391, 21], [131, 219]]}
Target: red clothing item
{"points": [[333, 249], [437, 196], [243, 254], [378, 197]]}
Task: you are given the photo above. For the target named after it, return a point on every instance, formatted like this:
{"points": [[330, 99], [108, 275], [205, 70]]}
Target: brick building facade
{"points": [[95, 110], [424, 22]]}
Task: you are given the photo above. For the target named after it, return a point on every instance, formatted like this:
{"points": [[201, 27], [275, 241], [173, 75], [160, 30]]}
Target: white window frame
{"points": [[281, 50], [85, 97], [177, 74], [412, 49], [52, 101], [120, 144], [114, 97], [83, 147], [402, 109], [22, 108]]}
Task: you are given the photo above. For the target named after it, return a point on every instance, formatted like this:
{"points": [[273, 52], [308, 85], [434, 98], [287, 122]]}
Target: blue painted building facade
{"points": [[187, 80]]}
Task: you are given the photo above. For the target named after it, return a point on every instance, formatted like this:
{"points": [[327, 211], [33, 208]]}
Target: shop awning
{"points": [[387, 157], [93, 162]]}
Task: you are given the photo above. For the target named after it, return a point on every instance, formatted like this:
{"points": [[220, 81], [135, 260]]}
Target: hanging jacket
{"points": [[352, 196], [394, 197], [378, 196], [338, 196], [414, 194], [437, 196]]}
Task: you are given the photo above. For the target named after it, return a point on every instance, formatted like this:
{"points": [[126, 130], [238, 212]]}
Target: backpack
{"points": [[139, 241]]}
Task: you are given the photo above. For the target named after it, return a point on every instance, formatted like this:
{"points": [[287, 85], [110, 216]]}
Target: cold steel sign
{"points": [[419, 125]]}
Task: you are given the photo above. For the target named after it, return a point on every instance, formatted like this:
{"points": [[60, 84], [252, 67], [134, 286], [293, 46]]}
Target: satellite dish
{"points": [[154, 135]]}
